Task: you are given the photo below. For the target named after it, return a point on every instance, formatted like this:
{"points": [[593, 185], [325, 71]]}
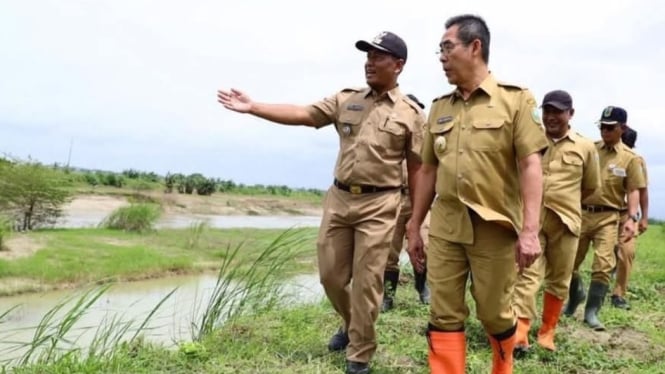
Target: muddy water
{"points": [[133, 302]]}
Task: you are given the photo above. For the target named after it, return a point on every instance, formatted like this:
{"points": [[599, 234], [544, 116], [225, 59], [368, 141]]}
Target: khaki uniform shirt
{"points": [[476, 145], [375, 134], [621, 172], [570, 165]]}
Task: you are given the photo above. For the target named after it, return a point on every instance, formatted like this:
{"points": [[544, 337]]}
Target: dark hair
{"points": [[470, 28]]}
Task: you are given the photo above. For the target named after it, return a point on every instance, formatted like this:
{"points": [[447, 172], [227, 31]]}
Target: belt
{"points": [[358, 189], [598, 208]]}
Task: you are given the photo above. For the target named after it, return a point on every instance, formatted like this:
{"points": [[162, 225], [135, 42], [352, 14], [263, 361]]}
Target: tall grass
{"points": [[5, 230], [57, 334], [135, 217], [195, 232], [249, 285]]}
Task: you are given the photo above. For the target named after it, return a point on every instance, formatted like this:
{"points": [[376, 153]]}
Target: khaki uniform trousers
{"points": [[559, 247], [353, 244], [399, 241], [601, 229], [491, 260], [625, 257]]}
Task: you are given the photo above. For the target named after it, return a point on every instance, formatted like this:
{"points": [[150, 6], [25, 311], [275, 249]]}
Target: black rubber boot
{"points": [[597, 292], [575, 295], [390, 279], [421, 286]]}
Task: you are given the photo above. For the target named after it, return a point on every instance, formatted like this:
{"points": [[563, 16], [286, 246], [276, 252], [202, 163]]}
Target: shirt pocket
{"points": [[348, 125], [487, 135], [392, 135], [441, 137], [573, 160]]}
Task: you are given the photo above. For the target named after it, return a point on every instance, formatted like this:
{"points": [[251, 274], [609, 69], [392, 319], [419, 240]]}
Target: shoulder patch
{"points": [[443, 96], [629, 150], [510, 85]]}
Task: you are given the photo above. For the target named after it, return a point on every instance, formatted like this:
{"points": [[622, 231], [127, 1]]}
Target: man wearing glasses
{"points": [[622, 176], [481, 156], [379, 128]]}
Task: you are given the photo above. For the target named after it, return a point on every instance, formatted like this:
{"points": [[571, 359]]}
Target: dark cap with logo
{"points": [[386, 41], [559, 99], [415, 100], [613, 115]]}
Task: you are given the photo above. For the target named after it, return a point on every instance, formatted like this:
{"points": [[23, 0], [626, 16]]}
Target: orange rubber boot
{"points": [[551, 311], [447, 352], [502, 354]]}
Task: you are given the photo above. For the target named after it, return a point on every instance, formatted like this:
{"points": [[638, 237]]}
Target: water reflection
{"points": [[134, 301]]}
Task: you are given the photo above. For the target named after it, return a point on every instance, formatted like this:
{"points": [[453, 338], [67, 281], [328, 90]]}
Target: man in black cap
{"points": [[379, 128], [622, 177], [570, 173]]}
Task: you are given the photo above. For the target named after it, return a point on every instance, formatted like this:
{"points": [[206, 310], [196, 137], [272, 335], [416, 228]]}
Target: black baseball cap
{"points": [[386, 41], [613, 115], [559, 99]]}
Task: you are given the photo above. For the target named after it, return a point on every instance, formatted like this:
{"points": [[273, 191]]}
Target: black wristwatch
{"points": [[635, 217]]}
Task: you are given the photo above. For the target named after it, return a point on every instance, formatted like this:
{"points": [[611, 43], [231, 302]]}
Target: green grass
{"points": [[81, 256], [293, 339]]}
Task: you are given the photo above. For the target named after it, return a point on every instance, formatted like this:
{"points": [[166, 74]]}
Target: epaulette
{"points": [[598, 142], [412, 104], [629, 150], [444, 96], [511, 85], [353, 89]]}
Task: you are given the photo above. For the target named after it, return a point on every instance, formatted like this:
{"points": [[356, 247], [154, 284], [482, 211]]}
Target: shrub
{"points": [[135, 217]]}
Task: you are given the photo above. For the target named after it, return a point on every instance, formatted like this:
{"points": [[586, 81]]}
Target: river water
{"points": [[133, 301]]}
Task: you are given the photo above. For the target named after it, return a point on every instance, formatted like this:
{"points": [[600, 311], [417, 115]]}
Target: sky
{"points": [[132, 84]]}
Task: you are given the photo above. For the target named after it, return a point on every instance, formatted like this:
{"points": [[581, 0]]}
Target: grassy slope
{"points": [[293, 340]]}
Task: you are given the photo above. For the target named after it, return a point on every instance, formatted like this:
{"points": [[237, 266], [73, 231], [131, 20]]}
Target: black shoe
{"points": [[390, 279], [353, 367], [520, 351], [387, 304], [339, 341], [620, 302], [421, 286]]}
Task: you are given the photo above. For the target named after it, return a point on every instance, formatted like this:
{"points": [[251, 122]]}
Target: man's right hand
{"points": [[415, 247], [235, 100]]}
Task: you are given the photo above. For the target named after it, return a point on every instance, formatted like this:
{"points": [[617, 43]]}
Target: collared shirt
{"points": [[621, 172], [570, 166], [476, 145], [376, 134]]}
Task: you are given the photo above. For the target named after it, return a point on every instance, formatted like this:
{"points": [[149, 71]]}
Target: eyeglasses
{"points": [[447, 47], [604, 127]]}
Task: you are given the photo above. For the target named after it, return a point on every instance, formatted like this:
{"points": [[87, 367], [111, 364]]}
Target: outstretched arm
{"points": [[285, 114]]}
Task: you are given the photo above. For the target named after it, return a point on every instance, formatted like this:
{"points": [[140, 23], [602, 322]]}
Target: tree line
{"points": [[32, 194]]}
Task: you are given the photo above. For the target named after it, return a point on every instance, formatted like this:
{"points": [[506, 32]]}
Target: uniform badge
{"points": [[440, 144], [346, 130], [379, 38], [355, 107], [443, 120], [535, 115]]}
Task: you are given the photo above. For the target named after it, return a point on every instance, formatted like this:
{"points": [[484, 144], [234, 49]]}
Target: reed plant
{"points": [[57, 335], [195, 232], [135, 217], [249, 285]]}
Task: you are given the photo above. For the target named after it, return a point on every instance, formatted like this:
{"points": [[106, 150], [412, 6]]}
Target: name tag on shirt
{"points": [[619, 172]]}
